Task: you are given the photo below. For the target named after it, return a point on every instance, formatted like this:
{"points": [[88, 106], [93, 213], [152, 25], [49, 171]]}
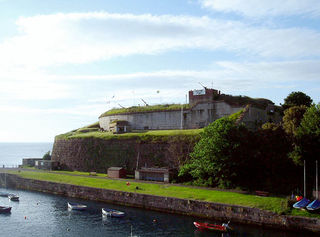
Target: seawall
{"points": [[245, 215]]}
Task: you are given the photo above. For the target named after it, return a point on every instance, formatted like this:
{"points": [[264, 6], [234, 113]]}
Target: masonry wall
{"points": [[92, 154], [201, 115], [219, 211]]}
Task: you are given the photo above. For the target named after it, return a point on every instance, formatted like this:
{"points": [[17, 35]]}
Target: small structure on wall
{"points": [[119, 126], [154, 174], [47, 164], [117, 172], [30, 162]]}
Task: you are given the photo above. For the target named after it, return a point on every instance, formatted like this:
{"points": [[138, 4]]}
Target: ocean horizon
{"points": [[12, 153]]}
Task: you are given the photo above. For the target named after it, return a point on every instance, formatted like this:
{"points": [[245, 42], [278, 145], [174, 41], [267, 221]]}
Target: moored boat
{"points": [[313, 206], [112, 213], [207, 226], [13, 197], [5, 209], [76, 206], [302, 203]]}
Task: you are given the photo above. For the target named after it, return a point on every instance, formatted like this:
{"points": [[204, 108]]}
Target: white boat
{"points": [[112, 213], [76, 206], [13, 197]]}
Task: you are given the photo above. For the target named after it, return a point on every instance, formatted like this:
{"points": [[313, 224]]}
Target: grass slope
{"points": [[142, 134]]}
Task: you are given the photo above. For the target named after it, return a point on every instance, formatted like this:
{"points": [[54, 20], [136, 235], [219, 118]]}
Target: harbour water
{"points": [[38, 214], [11, 154]]}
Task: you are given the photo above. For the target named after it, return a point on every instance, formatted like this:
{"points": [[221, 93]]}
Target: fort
{"points": [[95, 148], [205, 106]]}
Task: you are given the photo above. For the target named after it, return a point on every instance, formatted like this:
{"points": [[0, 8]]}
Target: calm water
{"points": [[47, 215], [12, 153]]}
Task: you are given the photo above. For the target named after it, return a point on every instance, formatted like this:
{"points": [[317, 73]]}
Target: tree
{"points": [[296, 99], [219, 155], [307, 142], [292, 119], [47, 156]]}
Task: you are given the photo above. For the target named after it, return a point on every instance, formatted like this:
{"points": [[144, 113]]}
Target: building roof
{"points": [[116, 168]]}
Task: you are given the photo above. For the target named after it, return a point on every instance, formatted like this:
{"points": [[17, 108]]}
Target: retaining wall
{"points": [[224, 212]]}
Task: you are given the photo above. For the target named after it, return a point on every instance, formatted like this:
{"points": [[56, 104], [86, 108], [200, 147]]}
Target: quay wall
{"points": [[240, 214]]}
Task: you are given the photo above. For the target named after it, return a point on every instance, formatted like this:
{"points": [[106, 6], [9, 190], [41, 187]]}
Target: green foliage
{"points": [[296, 99], [307, 140], [94, 125], [143, 135], [85, 130], [47, 156], [292, 118], [219, 154], [137, 109]]}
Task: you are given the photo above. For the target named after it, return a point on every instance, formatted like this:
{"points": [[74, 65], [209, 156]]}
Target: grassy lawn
{"points": [[144, 135], [79, 173], [275, 204]]}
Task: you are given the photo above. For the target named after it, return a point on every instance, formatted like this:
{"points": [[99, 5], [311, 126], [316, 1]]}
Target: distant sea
{"points": [[11, 154]]}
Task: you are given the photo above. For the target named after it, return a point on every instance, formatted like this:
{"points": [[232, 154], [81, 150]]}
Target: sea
{"points": [[11, 154]]}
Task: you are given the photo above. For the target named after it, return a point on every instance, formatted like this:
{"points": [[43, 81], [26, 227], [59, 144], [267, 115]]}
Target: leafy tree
{"points": [[219, 155], [292, 119], [272, 162], [307, 143], [47, 156], [296, 99]]}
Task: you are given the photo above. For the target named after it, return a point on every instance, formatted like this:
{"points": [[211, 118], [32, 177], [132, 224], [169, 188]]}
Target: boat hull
{"points": [[112, 213], [5, 209], [76, 206], [211, 227], [13, 197]]}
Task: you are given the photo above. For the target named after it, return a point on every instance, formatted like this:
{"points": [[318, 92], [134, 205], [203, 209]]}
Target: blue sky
{"points": [[63, 63]]}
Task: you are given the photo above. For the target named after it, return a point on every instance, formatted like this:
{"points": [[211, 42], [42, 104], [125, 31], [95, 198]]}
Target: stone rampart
{"points": [[195, 208], [92, 154]]}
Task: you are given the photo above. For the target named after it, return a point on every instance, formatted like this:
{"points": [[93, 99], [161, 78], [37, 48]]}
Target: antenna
{"points": [[121, 106], [144, 102], [202, 85]]}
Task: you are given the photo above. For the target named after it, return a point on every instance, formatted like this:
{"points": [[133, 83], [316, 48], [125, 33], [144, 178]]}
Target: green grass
{"points": [[142, 134], [79, 173], [137, 109], [275, 204]]}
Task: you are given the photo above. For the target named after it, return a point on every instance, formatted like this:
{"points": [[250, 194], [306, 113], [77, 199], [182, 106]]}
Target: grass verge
{"points": [[274, 204]]}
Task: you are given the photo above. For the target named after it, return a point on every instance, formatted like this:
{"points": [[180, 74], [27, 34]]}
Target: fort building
{"points": [[204, 107]]}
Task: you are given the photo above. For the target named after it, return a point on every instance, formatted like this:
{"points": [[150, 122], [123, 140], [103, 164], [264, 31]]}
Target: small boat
{"points": [[314, 206], [4, 194], [76, 206], [112, 213], [206, 226], [5, 209], [302, 203], [13, 197]]}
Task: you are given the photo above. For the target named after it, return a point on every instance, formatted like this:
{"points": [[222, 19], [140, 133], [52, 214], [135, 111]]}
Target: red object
{"points": [[298, 198], [207, 226], [128, 183]]}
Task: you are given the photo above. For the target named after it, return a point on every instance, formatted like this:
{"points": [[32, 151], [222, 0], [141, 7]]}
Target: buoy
{"points": [[25, 217]]}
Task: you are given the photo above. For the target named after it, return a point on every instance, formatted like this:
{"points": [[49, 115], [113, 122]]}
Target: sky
{"points": [[64, 63]]}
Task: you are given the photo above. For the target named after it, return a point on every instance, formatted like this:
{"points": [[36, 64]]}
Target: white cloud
{"points": [[87, 37], [265, 8]]}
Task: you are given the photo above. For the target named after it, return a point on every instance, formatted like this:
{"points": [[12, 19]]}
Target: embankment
{"points": [[195, 208], [96, 154]]}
